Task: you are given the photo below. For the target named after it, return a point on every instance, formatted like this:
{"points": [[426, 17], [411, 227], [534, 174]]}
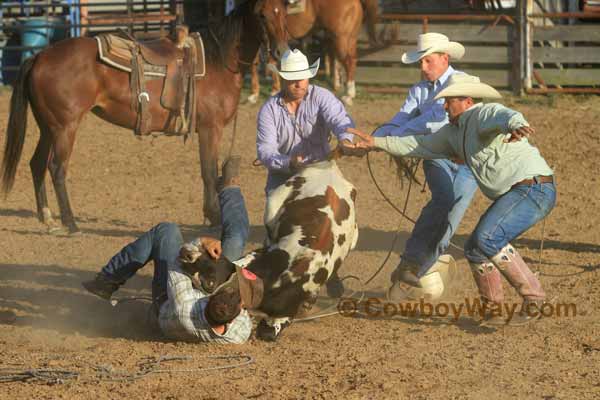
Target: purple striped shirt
{"points": [[282, 135]]}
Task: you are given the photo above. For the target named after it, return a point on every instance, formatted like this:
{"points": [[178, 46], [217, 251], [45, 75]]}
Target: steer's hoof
{"points": [[335, 287], [270, 333]]}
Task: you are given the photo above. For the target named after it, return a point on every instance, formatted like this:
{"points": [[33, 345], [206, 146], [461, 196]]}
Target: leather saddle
{"points": [[179, 61]]}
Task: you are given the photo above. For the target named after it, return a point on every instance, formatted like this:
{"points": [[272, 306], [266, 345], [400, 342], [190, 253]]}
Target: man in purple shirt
{"points": [[294, 127]]}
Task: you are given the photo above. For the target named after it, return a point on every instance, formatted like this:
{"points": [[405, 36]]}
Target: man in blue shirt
{"points": [[451, 183], [293, 126]]}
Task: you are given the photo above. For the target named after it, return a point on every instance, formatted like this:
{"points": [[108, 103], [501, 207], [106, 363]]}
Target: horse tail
{"points": [[17, 126], [371, 8]]}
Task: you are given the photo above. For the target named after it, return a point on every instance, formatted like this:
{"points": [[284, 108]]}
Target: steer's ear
{"points": [[251, 288]]}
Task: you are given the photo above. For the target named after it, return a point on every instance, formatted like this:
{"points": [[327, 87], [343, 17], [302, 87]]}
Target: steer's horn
{"points": [[251, 288]]}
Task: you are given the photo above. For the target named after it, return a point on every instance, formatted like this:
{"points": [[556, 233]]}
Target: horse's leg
{"points": [[254, 83], [39, 165], [337, 74], [59, 162], [209, 138], [346, 50], [327, 63], [276, 85]]}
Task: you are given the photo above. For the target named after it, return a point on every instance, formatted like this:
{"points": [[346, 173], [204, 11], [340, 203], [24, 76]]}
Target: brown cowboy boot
{"points": [[230, 172], [403, 278], [517, 273], [102, 286], [489, 282]]}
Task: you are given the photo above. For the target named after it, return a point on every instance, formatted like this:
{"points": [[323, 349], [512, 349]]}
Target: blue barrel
{"points": [[40, 32]]}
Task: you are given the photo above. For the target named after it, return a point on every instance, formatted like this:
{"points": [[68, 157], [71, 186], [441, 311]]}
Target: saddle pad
{"points": [[116, 51]]}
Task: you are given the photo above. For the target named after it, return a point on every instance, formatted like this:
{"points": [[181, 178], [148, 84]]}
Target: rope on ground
{"points": [[46, 375], [106, 372], [327, 311]]}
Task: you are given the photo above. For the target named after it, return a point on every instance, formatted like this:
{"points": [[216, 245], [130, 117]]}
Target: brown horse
{"points": [[342, 21], [67, 80]]}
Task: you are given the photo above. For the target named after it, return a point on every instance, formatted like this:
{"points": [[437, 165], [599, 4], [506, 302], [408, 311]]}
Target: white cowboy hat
{"points": [[294, 66], [465, 85], [429, 43]]}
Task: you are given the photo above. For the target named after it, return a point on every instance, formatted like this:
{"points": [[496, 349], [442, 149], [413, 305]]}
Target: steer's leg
{"points": [[269, 329]]}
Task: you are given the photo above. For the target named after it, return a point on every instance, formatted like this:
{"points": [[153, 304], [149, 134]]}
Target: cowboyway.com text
{"points": [[376, 308]]}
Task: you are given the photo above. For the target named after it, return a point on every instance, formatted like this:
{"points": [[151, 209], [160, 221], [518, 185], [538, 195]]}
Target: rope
{"points": [[403, 213], [147, 366], [151, 365], [48, 376], [326, 312]]}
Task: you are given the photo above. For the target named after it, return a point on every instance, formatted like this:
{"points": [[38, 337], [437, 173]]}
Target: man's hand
{"points": [[296, 162], [519, 133], [212, 247], [347, 148], [367, 141]]}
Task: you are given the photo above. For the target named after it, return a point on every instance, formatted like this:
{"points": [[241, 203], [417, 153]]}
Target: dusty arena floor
{"points": [[121, 186]]}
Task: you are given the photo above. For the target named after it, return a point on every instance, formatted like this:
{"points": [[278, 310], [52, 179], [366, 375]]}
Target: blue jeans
{"points": [[452, 187], [161, 244], [508, 217]]}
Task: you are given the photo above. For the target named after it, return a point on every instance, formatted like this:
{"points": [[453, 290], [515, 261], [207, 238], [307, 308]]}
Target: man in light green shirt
{"points": [[492, 141]]}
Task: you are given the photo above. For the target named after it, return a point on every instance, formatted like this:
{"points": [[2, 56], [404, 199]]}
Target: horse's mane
{"points": [[220, 36]]}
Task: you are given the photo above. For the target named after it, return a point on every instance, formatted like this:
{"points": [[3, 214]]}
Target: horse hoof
{"points": [[56, 230], [46, 217], [73, 230], [252, 99], [347, 100]]}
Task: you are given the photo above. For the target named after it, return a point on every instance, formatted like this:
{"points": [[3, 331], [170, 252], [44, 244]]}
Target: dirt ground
{"points": [[121, 186]]}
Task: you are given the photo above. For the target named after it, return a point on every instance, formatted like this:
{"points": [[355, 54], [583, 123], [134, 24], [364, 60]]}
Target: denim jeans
{"points": [[161, 244], [452, 187], [508, 217]]}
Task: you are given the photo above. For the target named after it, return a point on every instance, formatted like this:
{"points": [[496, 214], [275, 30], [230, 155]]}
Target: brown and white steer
{"points": [[311, 228]]}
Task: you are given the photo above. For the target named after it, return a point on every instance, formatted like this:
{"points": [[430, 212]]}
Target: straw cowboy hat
{"points": [[464, 85], [294, 66], [429, 43]]}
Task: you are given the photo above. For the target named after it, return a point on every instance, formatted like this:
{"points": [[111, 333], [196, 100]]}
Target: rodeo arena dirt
{"points": [[59, 341]]}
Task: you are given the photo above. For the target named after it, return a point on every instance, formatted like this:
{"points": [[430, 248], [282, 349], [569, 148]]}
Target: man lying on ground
{"points": [[185, 307]]}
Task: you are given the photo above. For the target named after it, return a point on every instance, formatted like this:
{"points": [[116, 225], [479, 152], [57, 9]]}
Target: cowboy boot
{"points": [[403, 279], [230, 172], [517, 273], [489, 282], [102, 286]]}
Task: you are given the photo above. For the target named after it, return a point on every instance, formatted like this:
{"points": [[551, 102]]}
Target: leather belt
{"points": [[536, 180]]}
